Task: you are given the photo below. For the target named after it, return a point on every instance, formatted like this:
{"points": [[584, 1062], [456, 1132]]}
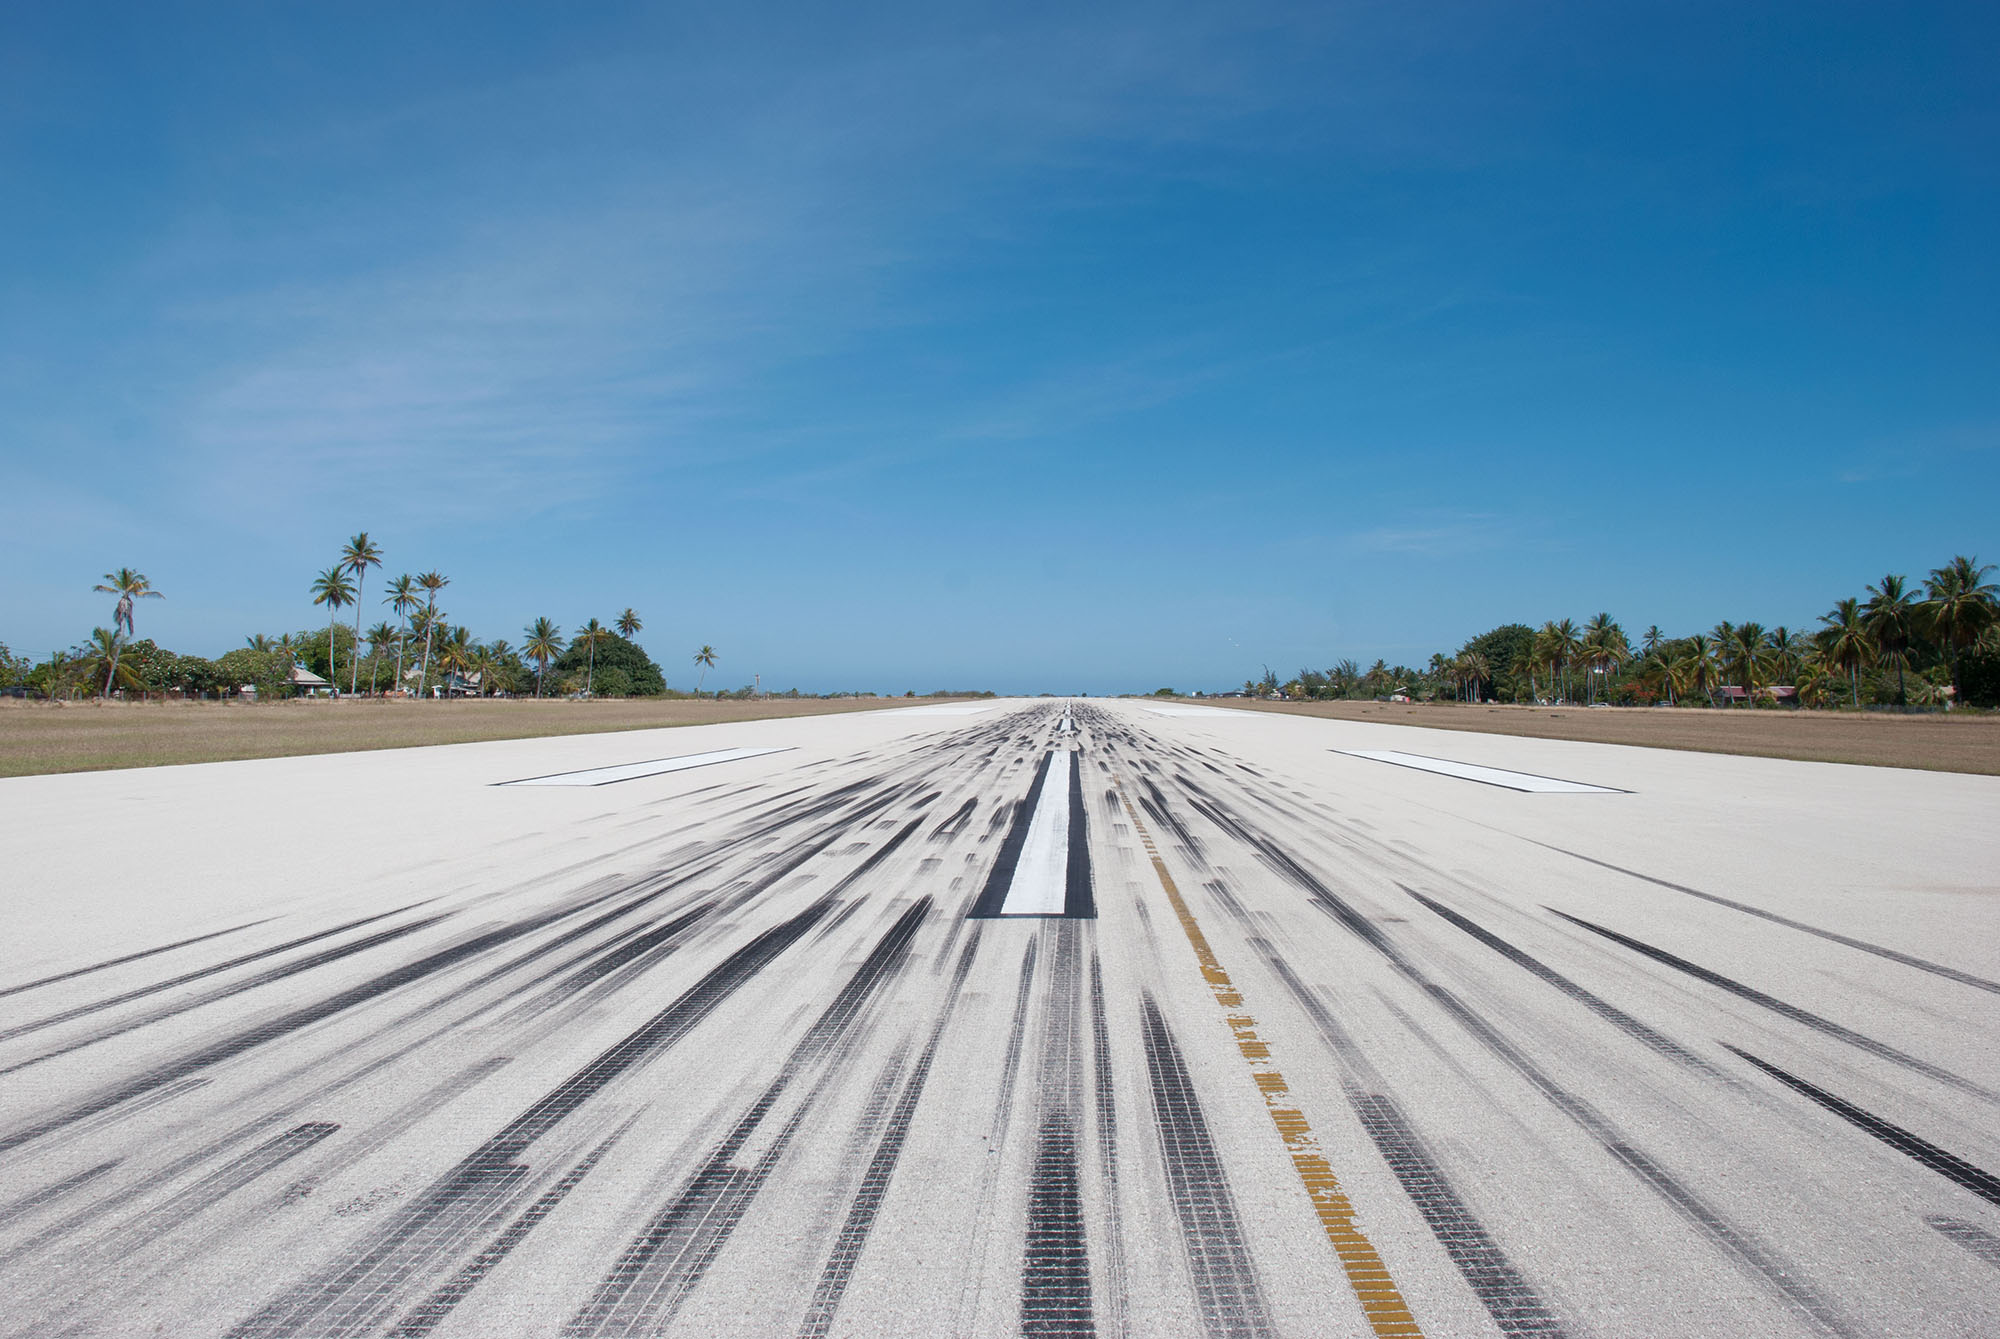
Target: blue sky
{"points": [[1069, 348]]}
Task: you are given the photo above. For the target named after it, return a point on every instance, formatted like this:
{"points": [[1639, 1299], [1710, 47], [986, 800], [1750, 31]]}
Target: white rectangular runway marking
{"points": [[604, 776], [1194, 711], [1491, 776], [940, 711], [1041, 877]]}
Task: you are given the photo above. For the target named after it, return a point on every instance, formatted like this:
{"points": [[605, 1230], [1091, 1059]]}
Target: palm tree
{"points": [[260, 643], [128, 586], [544, 644], [706, 659], [1695, 670], [590, 635], [1477, 670], [360, 554], [628, 624], [379, 636], [1785, 652], [1650, 640], [432, 582], [101, 656], [332, 589], [1567, 642], [1746, 652], [1891, 614], [1960, 606], [1846, 643], [455, 656], [1604, 648], [402, 598]]}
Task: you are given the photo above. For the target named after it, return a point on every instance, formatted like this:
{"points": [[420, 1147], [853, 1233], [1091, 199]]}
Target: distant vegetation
{"points": [[1895, 646]]}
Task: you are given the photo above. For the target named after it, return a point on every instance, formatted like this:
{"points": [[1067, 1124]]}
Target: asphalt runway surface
{"points": [[1034, 1018]]}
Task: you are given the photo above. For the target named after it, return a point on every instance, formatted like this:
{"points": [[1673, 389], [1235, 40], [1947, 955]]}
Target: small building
{"points": [[308, 684]]}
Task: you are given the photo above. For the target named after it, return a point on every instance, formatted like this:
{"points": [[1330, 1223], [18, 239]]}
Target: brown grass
{"points": [[1959, 742], [39, 737]]}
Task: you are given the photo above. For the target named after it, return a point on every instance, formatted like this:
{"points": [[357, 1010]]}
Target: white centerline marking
{"points": [[604, 776], [1041, 876], [1491, 776]]}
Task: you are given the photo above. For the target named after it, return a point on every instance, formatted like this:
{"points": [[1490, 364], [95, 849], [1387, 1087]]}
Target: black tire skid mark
{"points": [[1611, 1013], [866, 1206], [1908, 960], [1824, 1026], [1218, 1257], [276, 974], [1514, 1304], [1104, 1104], [355, 1295], [185, 978], [213, 1188], [669, 1256], [1763, 1263], [1946, 1164], [108, 963], [1055, 1258], [1974, 1238], [284, 1025], [1017, 1036], [440, 1304], [26, 1204]]}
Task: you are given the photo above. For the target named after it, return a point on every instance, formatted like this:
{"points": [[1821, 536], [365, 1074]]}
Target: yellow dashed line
{"points": [[1388, 1314]]}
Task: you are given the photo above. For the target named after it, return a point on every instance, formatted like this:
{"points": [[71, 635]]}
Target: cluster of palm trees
{"points": [[1894, 628]]}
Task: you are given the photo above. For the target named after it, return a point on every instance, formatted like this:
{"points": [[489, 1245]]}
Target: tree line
{"points": [[1897, 645], [420, 652]]}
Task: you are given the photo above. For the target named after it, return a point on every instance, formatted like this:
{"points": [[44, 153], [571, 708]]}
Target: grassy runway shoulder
{"points": [[1958, 742], [38, 738]]}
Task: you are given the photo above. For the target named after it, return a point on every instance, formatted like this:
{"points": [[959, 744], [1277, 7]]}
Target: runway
{"points": [[1051, 1018]]}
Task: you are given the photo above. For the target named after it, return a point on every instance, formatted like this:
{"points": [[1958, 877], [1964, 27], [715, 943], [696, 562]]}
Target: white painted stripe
{"points": [[604, 776], [1492, 776], [1041, 876], [1194, 711], [941, 711]]}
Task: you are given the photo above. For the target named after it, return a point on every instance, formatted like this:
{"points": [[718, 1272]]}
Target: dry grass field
{"points": [[39, 737], [1961, 742]]}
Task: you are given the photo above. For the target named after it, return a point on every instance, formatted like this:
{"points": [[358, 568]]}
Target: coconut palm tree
{"points": [[455, 656], [128, 586], [1603, 648], [543, 645], [1568, 642], [1891, 616], [402, 598], [1785, 650], [706, 659], [360, 554], [1845, 642], [379, 636], [1650, 640], [1477, 671], [101, 655], [332, 589], [1695, 671], [260, 642], [628, 624], [590, 635], [432, 583], [1960, 605], [1746, 653]]}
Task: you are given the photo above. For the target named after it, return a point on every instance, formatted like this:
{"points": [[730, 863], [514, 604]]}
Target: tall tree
{"points": [[543, 645], [332, 589], [1891, 615], [432, 583], [360, 554], [628, 624], [1695, 670], [379, 636], [1846, 643], [1746, 653], [1960, 605], [101, 655], [706, 659], [128, 586], [402, 598], [589, 636]]}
